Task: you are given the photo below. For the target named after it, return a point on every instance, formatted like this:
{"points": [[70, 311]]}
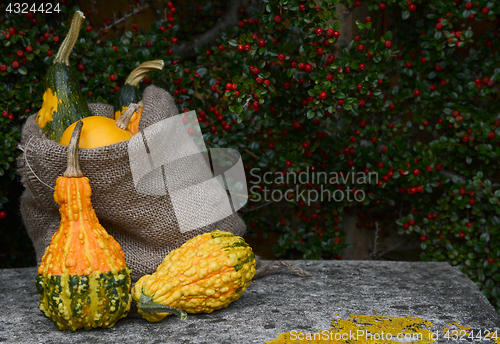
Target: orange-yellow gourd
{"points": [[206, 273], [99, 131], [83, 279]]}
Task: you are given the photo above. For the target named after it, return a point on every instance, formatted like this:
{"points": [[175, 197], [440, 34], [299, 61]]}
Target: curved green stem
{"points": [[73, 168], [67, 45], [147, 305], [140, 72], [124, 119]]}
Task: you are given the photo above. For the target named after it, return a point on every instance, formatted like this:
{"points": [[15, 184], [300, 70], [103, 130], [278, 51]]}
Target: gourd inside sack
{"points": [[63, 102], [99, 131]]}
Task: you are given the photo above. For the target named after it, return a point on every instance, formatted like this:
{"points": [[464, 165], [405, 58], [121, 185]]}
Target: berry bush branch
{"points": [[229, 19]]}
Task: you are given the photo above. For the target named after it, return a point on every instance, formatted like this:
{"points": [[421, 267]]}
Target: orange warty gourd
{"points": [[83, 279], [206, 273], [99, 131]]}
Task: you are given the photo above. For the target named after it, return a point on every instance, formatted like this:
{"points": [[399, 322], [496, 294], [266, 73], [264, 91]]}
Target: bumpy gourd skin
{"points": [[207, 273], [83, 280]]}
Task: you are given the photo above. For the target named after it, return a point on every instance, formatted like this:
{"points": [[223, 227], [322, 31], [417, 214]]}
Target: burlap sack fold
{"points": [[145, 226]]}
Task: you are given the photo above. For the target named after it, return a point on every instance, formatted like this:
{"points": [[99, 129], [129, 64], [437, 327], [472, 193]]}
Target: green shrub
{"points": [[415, 105]]}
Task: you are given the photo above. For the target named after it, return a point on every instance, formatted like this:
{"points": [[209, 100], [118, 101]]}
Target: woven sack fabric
{"points": [[144, 225]]}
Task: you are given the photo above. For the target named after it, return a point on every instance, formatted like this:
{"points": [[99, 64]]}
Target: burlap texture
{"points": [[145, 226]]}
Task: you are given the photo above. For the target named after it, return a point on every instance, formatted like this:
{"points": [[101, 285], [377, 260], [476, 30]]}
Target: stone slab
{"points": [[274, 304]]}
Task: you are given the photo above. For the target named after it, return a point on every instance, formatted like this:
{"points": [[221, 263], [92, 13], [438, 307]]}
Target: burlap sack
{"points": [[145, 226]]}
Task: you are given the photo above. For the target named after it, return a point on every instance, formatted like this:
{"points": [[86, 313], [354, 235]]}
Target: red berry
{"points": [[491, 135], [416, 93], [329, 33], [50, 53], [336, 34], [468, 5], [439, 26], [485, 10], [465, 138], [3, 68], [406, 226], [423, 238], [388, 44], [382, 6], [357, 3], [416, 172], [277, 19], [15, 64], [3, 214], [112, 77], [361, 47], [491, 260], [288, 163], [81, 67], [20, 53], [319, 31], [261, 43], [308, 68], [29, 49], [472, 201], [302, 7], [148, 44], [412, 7]]}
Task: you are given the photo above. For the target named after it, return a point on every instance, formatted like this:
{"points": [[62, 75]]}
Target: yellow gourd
{"points": [[206, 273], [83, 279], [99, 131]]}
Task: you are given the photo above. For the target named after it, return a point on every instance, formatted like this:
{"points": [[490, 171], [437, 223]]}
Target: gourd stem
{"points": [[67, 45], [124, 119], [73, 166], [140, 72], [147, 305]]}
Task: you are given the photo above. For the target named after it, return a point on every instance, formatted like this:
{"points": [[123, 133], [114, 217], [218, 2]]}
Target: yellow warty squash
{"points": [[206, 273], [83, 280]]}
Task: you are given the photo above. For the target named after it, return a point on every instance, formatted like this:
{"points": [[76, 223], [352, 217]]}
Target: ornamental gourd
{"points": [[83, 279], [99, 131], [206, 273], [63, 102], [129, 93]]}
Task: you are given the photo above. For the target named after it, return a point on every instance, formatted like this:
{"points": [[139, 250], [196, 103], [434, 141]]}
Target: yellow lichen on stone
{"points": [[365, 329], [456, 333]]}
